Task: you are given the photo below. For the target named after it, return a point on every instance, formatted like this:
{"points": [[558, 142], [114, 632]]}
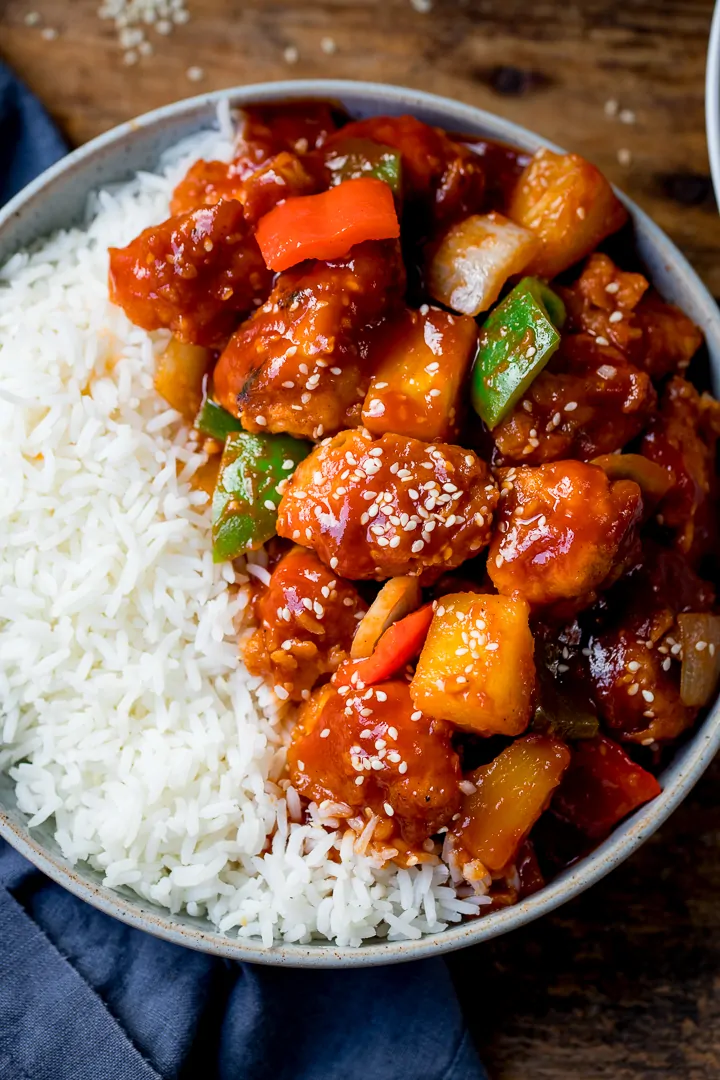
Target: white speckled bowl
{"points": [[56, 199], [712, 101]]}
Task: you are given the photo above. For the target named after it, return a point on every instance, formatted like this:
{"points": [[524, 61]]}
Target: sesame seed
{"points": [[359, 780], [612, 287], [195, 74], [328, 46], [335, 371], [282, 693], [624, 156], [324, 733], [648, 696], [666, 664], [611, 107], [700, 645], [388, 809], [261, 421], [571, 406], [633, 689], [607, 371], [633, 666], [601, 340], [402, 767], [291, 55], [269, 504], [616, 317], [417, 547], [626, 116], [416, 715]]}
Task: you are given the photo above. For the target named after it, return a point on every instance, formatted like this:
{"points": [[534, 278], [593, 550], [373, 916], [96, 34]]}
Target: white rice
{"points": [[125, 713]]}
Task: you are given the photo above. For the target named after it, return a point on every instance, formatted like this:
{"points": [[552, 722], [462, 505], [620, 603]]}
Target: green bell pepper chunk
{"points": [[516, 342], [351, 159], [562, 711], [215, 421], [566, 723], [246, 497]]}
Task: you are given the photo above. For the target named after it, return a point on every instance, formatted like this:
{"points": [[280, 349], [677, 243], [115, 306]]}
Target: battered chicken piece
{"points": [[682, 438], [308, 618], [298, 364], [207, 182], [635, 657], [194, 274], [589, 401], [372, 748], [447, 178], [617, 307], [389, 507], [273, 143], [638, 699], [563, 530]]}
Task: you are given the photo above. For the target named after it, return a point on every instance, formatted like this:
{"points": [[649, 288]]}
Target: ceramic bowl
{"points": [[57, 199], [712, 101]]}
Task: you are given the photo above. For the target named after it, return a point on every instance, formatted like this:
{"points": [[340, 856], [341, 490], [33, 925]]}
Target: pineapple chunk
{"points": [[475, 258], [179, 375], [421, 363], [510, 795], [569, 205], [476, 669]]}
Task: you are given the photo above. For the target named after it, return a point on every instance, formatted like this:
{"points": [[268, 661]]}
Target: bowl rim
{"points": [[678, 778], [712, 100]]}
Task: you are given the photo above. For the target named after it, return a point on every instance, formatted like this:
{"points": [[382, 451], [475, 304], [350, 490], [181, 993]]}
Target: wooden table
{"points": [[623, 983]]}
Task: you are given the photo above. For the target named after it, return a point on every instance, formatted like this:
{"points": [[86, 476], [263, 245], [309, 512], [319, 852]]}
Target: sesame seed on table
{"points": [[620, 984]]}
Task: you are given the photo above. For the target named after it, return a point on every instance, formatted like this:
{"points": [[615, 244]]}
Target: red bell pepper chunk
{"points": [[327, 225], [400, 644], [602, 786]]}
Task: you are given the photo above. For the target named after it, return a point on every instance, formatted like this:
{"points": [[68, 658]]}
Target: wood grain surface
{"points": [[622, 984]]}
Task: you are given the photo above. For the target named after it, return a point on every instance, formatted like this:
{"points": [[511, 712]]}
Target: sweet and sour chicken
{"points": [[491, 496]]}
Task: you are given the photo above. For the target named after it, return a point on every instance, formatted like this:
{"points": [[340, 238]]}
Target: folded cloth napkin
{"points": [[84, 997]]}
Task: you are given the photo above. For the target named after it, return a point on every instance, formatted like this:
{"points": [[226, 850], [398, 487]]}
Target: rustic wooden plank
{"points": [[623, 983]]}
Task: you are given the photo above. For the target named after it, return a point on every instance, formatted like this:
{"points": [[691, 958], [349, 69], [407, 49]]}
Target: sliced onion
{"points": [[700, 635], [179, 375], [470, 266], [651, 478], [397, 598]]}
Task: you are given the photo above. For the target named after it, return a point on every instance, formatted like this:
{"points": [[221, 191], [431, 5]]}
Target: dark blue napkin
{"points": [[83, 997]]}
